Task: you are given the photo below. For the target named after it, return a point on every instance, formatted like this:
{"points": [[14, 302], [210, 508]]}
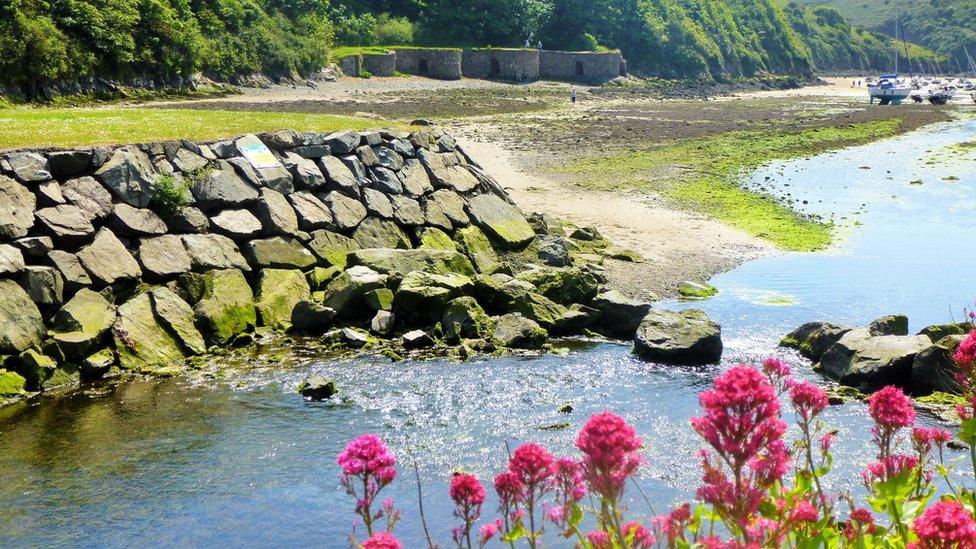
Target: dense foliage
{"points": [[758, 488]]}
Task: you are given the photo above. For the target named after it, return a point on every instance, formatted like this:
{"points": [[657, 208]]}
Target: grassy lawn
{"points": [[703, 174], [346, 51], [76, 127]]}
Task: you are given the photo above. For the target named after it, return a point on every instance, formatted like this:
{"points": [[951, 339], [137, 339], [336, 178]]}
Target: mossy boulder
{"points": [[686, 337], [345, 294], [177, 315], [464, 318], [226, 308], [35, 367], [539, 308], [894, 325], [690, 290], [814, 338], [374, 232], [312, 317], [868, 362], [475, 244], [143, 344], [380, 299], [422, 296], [12, 384], [79, 325], [98, 364], [940, 331], [934, 369], [565, 285], [332, 248], [435, 239], [388, 260], [21, 324], [517, 332], [278, 292], [501, 220], [317, 387], [278, 252], [319, 277]]}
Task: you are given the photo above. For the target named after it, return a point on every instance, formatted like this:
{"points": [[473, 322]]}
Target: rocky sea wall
{"points": [[134, 259]]}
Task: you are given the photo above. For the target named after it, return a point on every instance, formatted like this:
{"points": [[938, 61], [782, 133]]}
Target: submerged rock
{"points": [[317, 387], [684, 338]]}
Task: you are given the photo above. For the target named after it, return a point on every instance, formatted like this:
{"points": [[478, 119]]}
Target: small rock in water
{"points": [[566, 408], [382, 323], [353, 338], [417, 339], [317, 387]]}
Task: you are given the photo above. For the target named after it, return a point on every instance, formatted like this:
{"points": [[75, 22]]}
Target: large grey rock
{"points": [[934, 368], [356, 167], [380, 233], [619, 315], [107, 261], [390, 260], [340, 177], [44, 285], [347, 212], [464, 318], [75, 275], [417, 339], [332, 248], [143, 344], [554, 251], [312, 213], [130, 176], [277, 178], [66, 223], [421, 296], [517, 332], [29, 167], [16, 209], [236, 224], [81, 323], [386, 180], [473, 242], [21, 324], [565, 285], [222, 187], [416, 181], [342, 142], [278, 253], [278, 293], [686, 337], [456, 178], [814, 338], [368, 156], [128, 221], [164, 256], [307, 175], [69, 163], [89, 195], [539, 308], [382, 323], [377, 203], [276, 214], [11, 260], [226, 309], [213, 251], [407, 211], [889, 325], [188, 161], [49, 193], [939, 331], [178, 316], [345, 293], [189, 220], [309, 316], [869, 362], [500, 220], [388, 158]]}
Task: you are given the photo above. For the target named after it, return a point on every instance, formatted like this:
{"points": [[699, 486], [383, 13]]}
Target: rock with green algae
{"points": [[21, 324], [464, 318], [345, 294], [34, 366], [687, 338], [840, 394], [814, 338], [12, 384], [696, 290], [97, 365], [890, 325], [390, 260], [226, 308], [278, 252], [317, 387], [380, 299], [563, 285], [143, 344], [539, 308], [278, 292], [79, 325], [623, 254], [332, 248], [934, 369], [319, 277], [422, 296], [435, 239], [619, 315], [517, 332], [178, 316], [938, 332], [501, 220], [380, 233], [475, 244]]}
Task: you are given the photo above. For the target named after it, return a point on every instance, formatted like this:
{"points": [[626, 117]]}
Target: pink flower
{"points": [[891, 409], [467, 490], [965, 355], [569, 479], [826, 442], [673, 524], [808, 400], [382, 540], [510, 489], [862, 516], [640, 536], [888, 468], [368, 455], [945, 524], [926, 437], [777, 372], [532, 464], [599, 540], [611, 453], [804, 511], [488, 531]]}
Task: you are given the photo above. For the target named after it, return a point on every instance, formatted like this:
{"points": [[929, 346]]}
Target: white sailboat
{"points": [[889, 89]]}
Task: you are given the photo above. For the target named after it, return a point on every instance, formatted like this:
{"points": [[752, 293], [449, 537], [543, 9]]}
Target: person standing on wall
{"points": [[539, 45], [527, 46]]}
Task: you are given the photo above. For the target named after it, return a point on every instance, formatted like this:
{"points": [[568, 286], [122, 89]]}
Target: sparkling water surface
{"points": [[242, 460]]}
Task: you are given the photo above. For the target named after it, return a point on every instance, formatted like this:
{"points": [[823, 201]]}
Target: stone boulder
{"points": [[69, 163], [16, 209], [36, 368], [380, 233], [49, 193], [188, 161], [35, 246], [896, 325], [386, 181], [934, 368], [938, 332], [128, 221], [619, 315], [12, 384], [422, 296], [236, 224], [163, 256], [868, 362], [305, 172], [391, 260], [21, 324], [226, 309], [312, 213], [81, 323], [342, 142], [683, 338], [563, 285], [554, 251], [347, 212], [445, 209], [539, 308], [517, 332], [276, 214], [75, 275], [377, 203], [278, 253], [11, 260], [813, 339], [177, 315], [416, 181], [464, 318], [500, 220], [382, 323], [345, 292], [189, 221], [29, 167], [90, 196], [317, 388], [473, 242], [407, 211], [417, 339], [311, 317], [340, 177], [45, 285], [130, 175], [221, 188], [107, 261], [277, 178], [213, 251], [66, 223], [433, 238], [278, 293], [143, 344], [332, 248]]}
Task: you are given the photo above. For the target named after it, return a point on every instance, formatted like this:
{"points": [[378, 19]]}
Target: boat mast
{"points": [[896, 43]]}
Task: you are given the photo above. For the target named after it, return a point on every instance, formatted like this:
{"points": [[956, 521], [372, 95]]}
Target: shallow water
{"points": [[244, 461]]}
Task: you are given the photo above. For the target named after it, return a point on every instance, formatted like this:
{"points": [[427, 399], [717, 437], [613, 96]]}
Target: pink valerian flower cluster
{"points": [[891, 410], [743, 426], [778, 373], [887, 468], [965, 358], [611, 453], [926, 438], [368, 467], [382, 540], [468, 494], [570, 488], [637, 536], [533, 466], [673, 525], [947, 524], [808, 400], [859, 524]]}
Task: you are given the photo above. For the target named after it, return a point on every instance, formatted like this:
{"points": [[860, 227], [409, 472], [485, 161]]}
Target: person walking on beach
{"points": [[539, 45], [572, 96]]}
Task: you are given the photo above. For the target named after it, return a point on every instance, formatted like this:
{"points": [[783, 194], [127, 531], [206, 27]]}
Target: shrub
{"points": [[365, 74], [395, 31], [168, 196], [758, 488]]}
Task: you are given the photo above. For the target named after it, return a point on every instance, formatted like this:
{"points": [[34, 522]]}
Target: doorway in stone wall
{"points": [[422, 67], [496, 70], [579, 68]]}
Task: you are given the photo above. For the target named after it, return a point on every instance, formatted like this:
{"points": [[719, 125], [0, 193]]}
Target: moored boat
{"points": [[889, 90]]}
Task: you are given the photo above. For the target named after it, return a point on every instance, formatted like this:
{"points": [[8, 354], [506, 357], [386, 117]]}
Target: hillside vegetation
{"points": [[945, 26], [45, 41]]}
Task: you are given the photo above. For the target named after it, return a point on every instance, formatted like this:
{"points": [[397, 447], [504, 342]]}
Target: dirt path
{"points": [[677, 245]]}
